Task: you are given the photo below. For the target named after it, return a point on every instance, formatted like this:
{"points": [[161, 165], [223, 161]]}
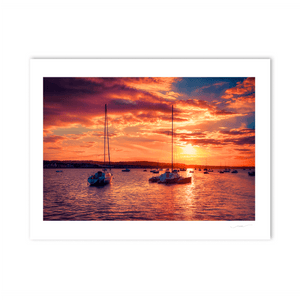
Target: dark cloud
{"points": [[249, 140], [54, 138], [223, 112], [238, 131], [204, 142], [63, 86], [243, 149], [235, 141]]}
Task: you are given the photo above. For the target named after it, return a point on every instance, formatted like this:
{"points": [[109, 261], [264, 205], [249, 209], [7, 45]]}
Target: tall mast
{"points": [[104, 134], [172, 138], [107, 139]]}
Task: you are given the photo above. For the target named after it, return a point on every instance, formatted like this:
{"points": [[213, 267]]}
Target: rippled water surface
{"points": [[213, 196]]}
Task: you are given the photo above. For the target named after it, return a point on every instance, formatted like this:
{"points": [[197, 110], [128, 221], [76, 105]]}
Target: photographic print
{"points": [[149, 148]]}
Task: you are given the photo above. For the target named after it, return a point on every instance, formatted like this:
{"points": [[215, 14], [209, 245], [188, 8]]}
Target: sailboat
{"points": [[103, 177], [171, 177]]}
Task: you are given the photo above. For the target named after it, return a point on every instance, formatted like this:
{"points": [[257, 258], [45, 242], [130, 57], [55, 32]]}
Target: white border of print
{"points": [[154, 230]]}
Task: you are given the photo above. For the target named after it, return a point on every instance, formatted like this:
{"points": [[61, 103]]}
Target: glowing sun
{"points": [[189, 149]]}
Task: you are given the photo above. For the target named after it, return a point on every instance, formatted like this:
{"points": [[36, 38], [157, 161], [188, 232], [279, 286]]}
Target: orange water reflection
{"points": [[67, 196]]}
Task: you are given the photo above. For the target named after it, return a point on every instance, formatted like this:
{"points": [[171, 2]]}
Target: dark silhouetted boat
{"points": [[126, 170], [252, 173]]}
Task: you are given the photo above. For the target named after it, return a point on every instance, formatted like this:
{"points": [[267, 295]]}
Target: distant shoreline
{"points": [[132, 165]]}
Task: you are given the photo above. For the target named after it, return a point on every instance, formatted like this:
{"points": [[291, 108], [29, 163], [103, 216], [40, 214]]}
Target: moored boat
{"points": [[126, 170], [171, 177], [183, 180], [101, 178]]}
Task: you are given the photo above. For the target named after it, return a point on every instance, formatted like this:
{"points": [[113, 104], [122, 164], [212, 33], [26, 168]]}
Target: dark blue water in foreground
{"points": [[214, 196]]}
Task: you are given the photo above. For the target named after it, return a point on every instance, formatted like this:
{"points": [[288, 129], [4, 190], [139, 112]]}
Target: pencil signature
{"points": [[235, 226]]}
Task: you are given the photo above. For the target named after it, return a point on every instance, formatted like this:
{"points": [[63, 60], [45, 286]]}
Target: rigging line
{"points": [[104, 134]]}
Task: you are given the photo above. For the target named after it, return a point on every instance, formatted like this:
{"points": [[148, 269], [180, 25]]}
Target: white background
{"points": [[150, 270]]}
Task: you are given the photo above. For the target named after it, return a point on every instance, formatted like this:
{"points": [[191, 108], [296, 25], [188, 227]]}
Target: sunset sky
{"points": [[214, 119]]}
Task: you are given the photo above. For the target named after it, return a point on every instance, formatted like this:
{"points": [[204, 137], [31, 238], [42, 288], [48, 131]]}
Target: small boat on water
{"points": [[126, 170], [234, 171], [101, 178], [145, 170], [252, 173], [206, 172], [155, 172], [199, 169], [183, 180], [221, 172], [59, 171]]}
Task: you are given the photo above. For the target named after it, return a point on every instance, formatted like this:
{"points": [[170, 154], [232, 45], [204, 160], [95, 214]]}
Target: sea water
{"points": [[130, 196]]}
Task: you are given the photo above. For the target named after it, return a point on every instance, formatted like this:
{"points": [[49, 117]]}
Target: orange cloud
{"points": [[139, 117]]}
